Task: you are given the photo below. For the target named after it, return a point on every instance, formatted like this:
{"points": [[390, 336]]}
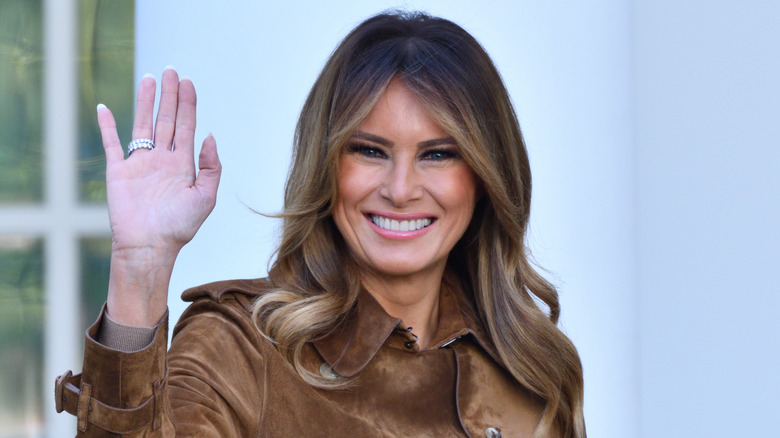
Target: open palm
{"points": [[155, 199]]}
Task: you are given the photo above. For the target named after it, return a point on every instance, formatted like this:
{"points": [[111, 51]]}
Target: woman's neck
{"points": [[414, 300]]}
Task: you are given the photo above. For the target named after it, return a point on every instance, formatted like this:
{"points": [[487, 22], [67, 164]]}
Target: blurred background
{"points": [[653, 132]]}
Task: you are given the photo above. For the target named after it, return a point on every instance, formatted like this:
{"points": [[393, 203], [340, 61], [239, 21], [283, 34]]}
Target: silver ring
{"points": [[139, 143]]}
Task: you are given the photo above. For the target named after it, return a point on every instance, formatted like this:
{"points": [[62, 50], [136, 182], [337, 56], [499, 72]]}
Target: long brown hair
{"points": [[317, 281]]}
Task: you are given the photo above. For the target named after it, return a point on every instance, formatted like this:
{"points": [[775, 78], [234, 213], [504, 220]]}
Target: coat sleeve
{"points": [[210, 383]]}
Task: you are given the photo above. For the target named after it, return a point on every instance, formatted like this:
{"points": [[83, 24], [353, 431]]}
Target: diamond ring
{"points": [[139, 143]]}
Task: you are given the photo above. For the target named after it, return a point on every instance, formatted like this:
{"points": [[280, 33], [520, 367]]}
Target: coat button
{"points": [[327, 372], [492, 432]]}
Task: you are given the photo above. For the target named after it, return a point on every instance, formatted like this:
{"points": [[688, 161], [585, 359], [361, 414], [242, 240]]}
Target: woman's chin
{"points": [[403, 268]]}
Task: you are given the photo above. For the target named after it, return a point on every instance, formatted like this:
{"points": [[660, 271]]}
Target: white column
{"points": [[61, 253]]}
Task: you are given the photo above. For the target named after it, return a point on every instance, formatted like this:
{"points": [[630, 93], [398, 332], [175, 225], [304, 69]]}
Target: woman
{"points": [[401, 301]]}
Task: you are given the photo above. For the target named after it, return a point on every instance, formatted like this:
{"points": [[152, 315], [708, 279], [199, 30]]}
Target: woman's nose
{"points": [[401, 183]]}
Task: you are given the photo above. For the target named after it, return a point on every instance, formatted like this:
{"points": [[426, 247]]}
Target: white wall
{"points": [[567, 66], [707, 83]]}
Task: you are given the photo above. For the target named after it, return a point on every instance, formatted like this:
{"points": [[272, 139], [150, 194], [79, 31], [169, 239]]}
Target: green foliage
{"points": [[21, 101], [21, 323], [106, 52], [106, 60], [95, 254]]}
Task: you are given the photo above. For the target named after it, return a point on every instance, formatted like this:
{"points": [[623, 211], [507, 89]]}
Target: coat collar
{"points": [[367, 328], [349, 349]]}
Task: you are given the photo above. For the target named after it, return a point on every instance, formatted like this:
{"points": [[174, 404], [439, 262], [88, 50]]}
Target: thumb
{"points": [[210, 169]]}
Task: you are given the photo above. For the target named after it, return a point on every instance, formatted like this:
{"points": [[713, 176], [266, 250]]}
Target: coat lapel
{"points": [[349, 349]]}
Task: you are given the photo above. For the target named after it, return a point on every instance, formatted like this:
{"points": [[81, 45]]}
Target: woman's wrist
{"points": [[138, 285]]}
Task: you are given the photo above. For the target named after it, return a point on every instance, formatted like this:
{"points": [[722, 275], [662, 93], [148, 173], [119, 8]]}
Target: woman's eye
{"points": [[366, 150], [439, 155]]}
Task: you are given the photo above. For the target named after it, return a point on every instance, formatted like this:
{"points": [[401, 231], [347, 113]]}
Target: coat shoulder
{"points": [[245, 291]]}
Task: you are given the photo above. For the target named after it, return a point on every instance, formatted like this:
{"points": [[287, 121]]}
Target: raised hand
{"points": [[156, 201]]}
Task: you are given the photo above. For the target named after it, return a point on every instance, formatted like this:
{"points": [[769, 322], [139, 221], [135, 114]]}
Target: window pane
{"points": [[21, 88], [95, 257], [21, 336], [106, 67]]}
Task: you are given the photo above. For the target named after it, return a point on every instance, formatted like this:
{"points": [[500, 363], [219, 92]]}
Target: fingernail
{"points": [[169, 67], [181, 78], [100, 105], [148, 75]]}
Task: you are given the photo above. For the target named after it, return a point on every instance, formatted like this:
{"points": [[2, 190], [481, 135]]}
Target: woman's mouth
{"points": [[389, 224]]}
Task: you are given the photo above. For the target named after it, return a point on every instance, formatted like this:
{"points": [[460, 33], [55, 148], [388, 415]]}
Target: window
{"points": [[58, 60]]}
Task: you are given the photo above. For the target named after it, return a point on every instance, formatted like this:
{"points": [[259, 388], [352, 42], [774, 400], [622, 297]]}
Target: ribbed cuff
{"points": [[124, 338]]}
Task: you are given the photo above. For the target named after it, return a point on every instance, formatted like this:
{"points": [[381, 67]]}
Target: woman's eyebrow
{"points": [[373, 138], [436, 142], [387, 143]]}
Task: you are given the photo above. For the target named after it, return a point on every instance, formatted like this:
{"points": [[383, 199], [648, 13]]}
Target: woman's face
{"points": [[405, 194]]}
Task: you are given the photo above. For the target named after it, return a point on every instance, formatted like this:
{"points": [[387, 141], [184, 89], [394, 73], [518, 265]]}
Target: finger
{"points": [[111, 144], [144, 108], [166, 113], [184, 137], [210, 170]]}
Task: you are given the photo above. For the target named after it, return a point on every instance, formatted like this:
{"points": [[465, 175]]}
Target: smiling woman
{"points": [[401, 301]]}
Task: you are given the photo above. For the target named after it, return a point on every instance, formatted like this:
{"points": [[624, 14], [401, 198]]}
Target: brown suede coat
{"points": [[221, 378]]}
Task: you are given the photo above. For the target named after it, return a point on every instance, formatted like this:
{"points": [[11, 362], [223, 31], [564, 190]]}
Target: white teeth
{"points": [[395, 225]]}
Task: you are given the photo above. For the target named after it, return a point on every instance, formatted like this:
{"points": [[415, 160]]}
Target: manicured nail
{"points": [[169, 67], [181, 78], [100, 105], [148, 75]]}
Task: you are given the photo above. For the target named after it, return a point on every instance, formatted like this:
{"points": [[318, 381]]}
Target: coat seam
{"points": [[457, 392]]}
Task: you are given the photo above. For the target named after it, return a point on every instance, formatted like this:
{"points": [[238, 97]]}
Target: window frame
{"points": [[61, 220]]}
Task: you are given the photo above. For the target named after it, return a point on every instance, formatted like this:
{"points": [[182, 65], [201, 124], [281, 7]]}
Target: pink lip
{"points": [[399, 235]]}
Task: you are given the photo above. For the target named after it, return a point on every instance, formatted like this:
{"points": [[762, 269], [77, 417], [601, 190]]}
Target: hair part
{"points": [[318, 282]]}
